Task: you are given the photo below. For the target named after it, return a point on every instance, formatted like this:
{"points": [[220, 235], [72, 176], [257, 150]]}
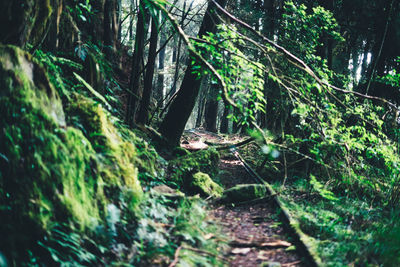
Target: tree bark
{"points": [[159, 93], [108, 37], [380, 43], [143, 115], [211, 111], [137, 63], [174, 122], [224, 128], [204, 88]]}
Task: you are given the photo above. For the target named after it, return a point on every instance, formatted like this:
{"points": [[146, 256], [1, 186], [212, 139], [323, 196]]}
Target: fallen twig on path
{"points": [[176, 257]]}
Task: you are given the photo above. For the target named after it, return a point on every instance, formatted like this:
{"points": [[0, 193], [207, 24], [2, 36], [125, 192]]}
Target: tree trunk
{"points": [[159, 93], [148, 79], [211, 111], [174, 122], [377, 51], [137, 63], [204, 88], [108, 37], [178, 52], [224, 128]]}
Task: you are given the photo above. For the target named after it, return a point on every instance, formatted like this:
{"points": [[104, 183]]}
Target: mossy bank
{"points": [[53, 173]]}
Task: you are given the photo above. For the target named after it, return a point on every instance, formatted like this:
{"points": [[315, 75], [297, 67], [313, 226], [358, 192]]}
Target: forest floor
{"points": [[257, 237]]}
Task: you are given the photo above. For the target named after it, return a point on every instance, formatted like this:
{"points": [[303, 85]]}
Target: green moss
{"points": [[203, 184], [182, 168], [117, 155], [244, 192], [50, 173]]}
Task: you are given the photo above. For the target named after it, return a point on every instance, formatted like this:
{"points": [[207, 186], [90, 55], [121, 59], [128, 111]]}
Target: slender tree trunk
{"points": [[159, 94], [204, 88], [211, 111], [130, 29], [178, 52], [143, 115], [379, 44], [355, 57], [137, 63], [174, 122], [119, 21], [107, 37], [269, 18], [364, 64], [224, 128]]}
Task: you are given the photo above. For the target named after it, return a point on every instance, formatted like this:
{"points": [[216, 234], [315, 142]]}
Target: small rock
{"points": [[242, 251], [203, 184]]}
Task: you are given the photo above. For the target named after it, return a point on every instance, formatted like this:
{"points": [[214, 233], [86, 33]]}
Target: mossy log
{"points": [[243, 193]]}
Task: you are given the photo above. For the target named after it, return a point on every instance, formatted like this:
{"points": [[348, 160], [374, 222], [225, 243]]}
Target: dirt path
{"points": [[257, 234], [258, 237]]}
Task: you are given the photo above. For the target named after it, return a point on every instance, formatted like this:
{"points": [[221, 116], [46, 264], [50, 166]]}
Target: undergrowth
{"points": [[72, 179], [342, 231]]}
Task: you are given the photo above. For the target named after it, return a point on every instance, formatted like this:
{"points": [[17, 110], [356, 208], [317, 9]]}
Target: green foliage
{"points": [[54, 66], [341, 232], [69, 249], [318, 187], [387, 242], [66, 176], [303, 29], [243, 76], [89, 73], [69, 188], [165, 225]]}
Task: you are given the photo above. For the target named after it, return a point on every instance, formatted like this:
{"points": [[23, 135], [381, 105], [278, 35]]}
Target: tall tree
{"points": [[137, 63], [159, 92], [143, 115], [211, 109], [178, 114]]}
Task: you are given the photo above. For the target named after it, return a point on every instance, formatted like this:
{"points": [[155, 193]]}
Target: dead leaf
{"points": [[242, 251], [278, 243], [263, 257]]}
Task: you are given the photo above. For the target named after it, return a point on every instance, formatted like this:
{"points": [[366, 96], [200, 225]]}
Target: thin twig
{"points": [[176, 257]]}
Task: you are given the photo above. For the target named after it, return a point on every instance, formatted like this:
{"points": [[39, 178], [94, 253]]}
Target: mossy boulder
{"points": [[182, 169], [202, 183], [51, 173], [117, 156], [244, 192]]}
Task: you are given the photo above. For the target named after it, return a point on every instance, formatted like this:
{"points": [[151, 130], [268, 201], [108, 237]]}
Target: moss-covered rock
{"points": [[244, 192], [181, 169], [117, 156], [202, 183], [52, 174]]}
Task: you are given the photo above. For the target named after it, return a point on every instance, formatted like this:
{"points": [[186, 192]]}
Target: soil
{"points": [[257, 236]]}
